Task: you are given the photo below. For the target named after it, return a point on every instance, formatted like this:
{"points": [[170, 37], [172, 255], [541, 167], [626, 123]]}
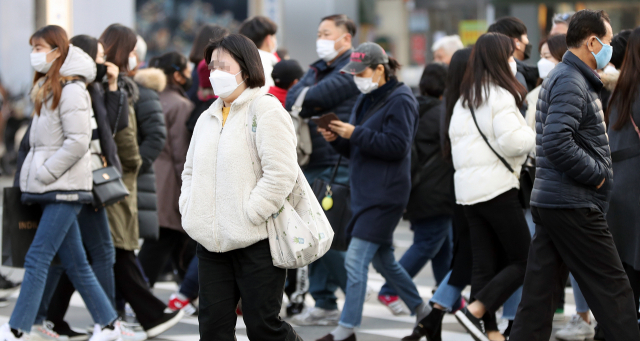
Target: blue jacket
{"points": [[379, 152], [329, 91], [572, 147]]}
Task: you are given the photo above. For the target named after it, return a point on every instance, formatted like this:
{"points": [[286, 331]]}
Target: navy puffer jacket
{"points": [[572, 146], [329, 91]]}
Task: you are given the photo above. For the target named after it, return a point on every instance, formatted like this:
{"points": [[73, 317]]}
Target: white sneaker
{"points": [[128, 334], [317, 317], [106, 334], [7, 335], [576, 330], [44, 332]]}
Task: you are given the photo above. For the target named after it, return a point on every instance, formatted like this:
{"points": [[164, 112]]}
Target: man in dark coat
{"points": [[571, 193], [329, 91]]}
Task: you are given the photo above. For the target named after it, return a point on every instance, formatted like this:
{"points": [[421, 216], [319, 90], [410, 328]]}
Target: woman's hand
{"points": [[328, 134], [112, 75], [343, 129]]}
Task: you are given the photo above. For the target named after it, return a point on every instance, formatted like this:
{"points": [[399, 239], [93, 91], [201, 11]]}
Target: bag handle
{"points": [[473, 114], [297, 105]]}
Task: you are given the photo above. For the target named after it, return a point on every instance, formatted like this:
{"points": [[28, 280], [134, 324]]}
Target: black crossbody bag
{"points": [[522, 195]]}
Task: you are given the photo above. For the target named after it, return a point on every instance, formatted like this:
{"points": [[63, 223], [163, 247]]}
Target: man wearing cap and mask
{"points": [[329, 91], [515, 29]]}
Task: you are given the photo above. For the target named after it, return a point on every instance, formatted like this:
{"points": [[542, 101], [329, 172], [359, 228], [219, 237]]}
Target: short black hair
{"points": [[169, 63], [584, 24], [257, 29], [341, 20], [285, 72], [245, 53], [511, 27], [87, 43], [432, 82], [619, 44]]}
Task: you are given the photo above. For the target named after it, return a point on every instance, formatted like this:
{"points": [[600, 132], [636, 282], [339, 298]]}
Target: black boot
{"points": [[430, 326], [599, 334]]}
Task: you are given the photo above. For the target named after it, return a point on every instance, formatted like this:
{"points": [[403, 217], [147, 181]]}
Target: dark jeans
{"points": [[189, 286], [576, 240], [500, 242], [634, 280], [134, 289], [172, 245], [429, 236], [249, 274]]}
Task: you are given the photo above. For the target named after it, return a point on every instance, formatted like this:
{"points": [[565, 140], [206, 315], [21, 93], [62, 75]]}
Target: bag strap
{"points": [[297, 105], [251, 137], [635, 126], [627, 153], [334, 173], [120, 104], [473, 114]]}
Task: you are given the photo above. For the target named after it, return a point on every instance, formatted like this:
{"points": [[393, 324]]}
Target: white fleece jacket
{"points": [[480, 176], [222, 206]]}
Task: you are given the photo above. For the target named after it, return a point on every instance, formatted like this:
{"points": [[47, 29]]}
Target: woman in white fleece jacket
{"points": [[485, 185], [224, 208]]}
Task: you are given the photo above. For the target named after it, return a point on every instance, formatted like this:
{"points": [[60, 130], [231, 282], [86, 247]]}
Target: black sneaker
{"points": [[507, 332], [430, 326], [7, 287], [472, 324], [599, 334], [63, 329], [165, 323], [294, 309]]}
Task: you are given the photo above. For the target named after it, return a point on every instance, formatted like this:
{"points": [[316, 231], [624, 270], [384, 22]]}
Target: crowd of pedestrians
{"points": [[516, 180]]}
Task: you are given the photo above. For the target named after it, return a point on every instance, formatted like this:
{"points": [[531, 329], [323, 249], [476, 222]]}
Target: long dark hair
{"points": [[56, 37], [207, 33], [457, 69], [489, 64], [87, 43], [118, 41], [390, 68], [626, 89], [557, 46], [169, 63]]}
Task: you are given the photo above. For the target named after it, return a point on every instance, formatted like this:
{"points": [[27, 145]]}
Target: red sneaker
{"points": [[394, 304], [178, 302]]}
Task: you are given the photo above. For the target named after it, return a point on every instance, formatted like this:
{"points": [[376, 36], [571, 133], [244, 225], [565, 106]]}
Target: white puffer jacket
{"points": [[59, 157], [480, 176], [222, 206]]}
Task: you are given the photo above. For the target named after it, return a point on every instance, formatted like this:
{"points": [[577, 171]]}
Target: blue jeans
{"points": [[581, 302], [447, 295], [441, 262], [429, 235], [189, 287], [361, 253], [96, 238], [58, 232], [328, 273]]}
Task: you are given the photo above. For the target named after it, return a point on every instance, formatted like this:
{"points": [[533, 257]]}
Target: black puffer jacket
{"points": [[430, 174], [151, 137], [572, 147], [329, 91]]}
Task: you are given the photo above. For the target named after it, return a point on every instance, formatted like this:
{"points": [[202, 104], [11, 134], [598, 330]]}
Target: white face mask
{"points": [[223, 84], [326, 49], [133, 62], [365, 84], [544, 67], [39, 61], [514, 67]]}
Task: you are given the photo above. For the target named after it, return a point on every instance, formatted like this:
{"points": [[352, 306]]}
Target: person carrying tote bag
{"points": [[225, 208]]}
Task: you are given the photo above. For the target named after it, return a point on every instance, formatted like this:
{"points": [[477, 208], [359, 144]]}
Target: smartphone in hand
{"points": [[324, 120]]}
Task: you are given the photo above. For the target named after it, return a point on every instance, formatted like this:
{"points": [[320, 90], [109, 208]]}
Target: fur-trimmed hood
{"points": [[610, 79], [151, 78]]}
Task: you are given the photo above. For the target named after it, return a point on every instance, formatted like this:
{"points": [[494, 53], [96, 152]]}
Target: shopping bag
{"points": [[19, 225]]}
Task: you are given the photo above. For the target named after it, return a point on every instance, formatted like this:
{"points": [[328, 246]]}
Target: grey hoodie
{"points": [[59, 157]]}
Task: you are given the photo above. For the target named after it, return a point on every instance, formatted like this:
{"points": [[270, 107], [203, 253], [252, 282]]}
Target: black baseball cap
{"points": [[285, 72], [367, 54]]}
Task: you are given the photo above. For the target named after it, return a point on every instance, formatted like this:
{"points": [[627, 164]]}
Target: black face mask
{"points": [[101, 71], [187, 84], [527, 51]]}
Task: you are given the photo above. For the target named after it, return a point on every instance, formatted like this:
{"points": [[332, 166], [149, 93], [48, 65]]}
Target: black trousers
{"points": [[576, 240], [249, 274], [172, 245], [134, 289], [500, 242], [634, 280]]}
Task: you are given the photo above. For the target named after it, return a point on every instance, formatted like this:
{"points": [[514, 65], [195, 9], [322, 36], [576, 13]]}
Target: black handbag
{"points": [[19, 226], [528, 170], [108, 187], [339, 214]]}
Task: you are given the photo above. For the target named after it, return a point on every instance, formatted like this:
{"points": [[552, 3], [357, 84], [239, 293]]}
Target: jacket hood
{"points": [[78, 63], [610, 79], [151, 78]]}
